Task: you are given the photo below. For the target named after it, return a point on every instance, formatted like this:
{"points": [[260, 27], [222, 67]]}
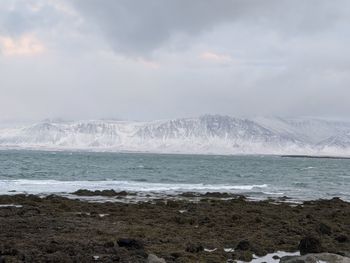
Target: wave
{"points": [[56, 186], [307, 168]]}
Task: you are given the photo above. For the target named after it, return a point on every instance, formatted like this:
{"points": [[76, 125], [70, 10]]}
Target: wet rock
{"points": [[276, 257], [324, 229], [342, 238], [217, 195], [189, 194], [176, 254], [258, 220], [108, 244], [246, 256], [314, 258], [109, 193], [243, 245], [154, 259], [310, 245], [52, 247], [130, 243], [204, 220], [194, 248]]}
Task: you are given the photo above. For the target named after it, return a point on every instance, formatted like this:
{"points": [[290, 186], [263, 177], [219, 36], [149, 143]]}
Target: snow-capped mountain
{"points": [[206, 134]]}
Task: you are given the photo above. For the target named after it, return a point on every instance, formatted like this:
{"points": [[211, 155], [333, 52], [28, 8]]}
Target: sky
{"points": [[159, 59]]}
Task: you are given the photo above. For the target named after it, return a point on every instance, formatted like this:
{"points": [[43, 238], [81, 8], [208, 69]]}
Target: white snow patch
{"points": [[10, 205], [269, 257]]}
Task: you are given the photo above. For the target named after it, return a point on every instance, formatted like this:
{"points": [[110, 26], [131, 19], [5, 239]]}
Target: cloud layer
{"points": [[163, 58]]}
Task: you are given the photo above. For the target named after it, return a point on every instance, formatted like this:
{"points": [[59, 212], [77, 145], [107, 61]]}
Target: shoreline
{"points": [[45, 149], [315, 156], [34, 229], [134, 197]]}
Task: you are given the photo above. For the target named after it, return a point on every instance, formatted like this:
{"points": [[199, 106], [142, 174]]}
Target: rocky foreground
{"points": [[57, 229]]}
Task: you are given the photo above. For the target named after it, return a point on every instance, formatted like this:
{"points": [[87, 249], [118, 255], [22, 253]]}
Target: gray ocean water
{"points": [[42, 172]]}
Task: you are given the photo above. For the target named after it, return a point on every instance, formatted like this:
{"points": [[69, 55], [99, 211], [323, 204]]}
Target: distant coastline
{"points": [[315, 156]]}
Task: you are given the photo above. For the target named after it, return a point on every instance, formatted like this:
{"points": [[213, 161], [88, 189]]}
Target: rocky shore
{"points": [[213, 228]]}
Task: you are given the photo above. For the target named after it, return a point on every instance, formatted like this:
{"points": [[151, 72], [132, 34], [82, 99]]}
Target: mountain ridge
{"points": [[207, 134]]}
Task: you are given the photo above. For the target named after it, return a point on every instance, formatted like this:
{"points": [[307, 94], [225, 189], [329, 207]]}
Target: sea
{"points": [[255, 176]]}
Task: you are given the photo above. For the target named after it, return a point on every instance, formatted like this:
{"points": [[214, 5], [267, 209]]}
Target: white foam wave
{"points": [[307, 168], [55, 186]]}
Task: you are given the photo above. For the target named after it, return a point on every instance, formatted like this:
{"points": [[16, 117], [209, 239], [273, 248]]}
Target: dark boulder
{"points": [[310, 245], [194, 248], [243, 245], [342, 238], [130, 243]]}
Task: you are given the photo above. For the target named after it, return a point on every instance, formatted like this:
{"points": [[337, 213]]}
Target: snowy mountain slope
{"points": [[306, 129], [341, 141], [206, 134]]}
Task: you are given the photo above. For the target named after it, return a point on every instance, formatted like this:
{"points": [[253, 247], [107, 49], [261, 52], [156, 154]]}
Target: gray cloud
{"points": [[20, 16], [139, 27], [162, 58]]}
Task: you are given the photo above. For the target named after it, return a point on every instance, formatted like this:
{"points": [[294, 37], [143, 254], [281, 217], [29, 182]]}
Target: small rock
{"points": [[246, 256], [342, 238], [243, 245], [130, 243], [276, 257], [324, 229], [194, 248], [154, 259], [310, 245], [175, 254], [109, 244]]}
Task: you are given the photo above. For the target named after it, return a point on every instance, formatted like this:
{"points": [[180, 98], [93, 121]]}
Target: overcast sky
{"points": [[155, 59]]}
